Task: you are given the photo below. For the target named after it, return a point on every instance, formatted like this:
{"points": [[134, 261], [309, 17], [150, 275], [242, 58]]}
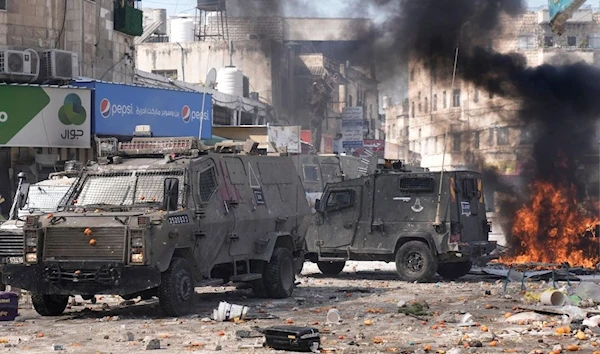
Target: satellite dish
{"points": [[211, 78]]}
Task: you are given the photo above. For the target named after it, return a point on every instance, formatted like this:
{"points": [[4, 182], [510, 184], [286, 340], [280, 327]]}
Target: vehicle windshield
{"points": [[45, 198], [125, 188]]}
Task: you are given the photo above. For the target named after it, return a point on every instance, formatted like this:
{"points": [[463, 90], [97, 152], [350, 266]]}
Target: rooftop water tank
{"points": [[160, 15], [182, 30], [230, 80]]}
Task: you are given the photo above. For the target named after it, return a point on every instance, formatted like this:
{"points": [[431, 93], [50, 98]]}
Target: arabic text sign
{"points": [[33, 116], [119, 108], [352, 127]]}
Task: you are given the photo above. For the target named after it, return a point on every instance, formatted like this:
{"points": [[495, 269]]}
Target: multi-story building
{"points": [[93, 38], [463, 126], [281, 57]]}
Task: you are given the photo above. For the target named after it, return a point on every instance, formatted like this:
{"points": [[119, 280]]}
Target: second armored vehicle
{"points": [[403, 217], [156, 217]]}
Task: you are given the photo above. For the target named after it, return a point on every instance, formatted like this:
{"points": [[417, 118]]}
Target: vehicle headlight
{"points": [[31, 257], [137, 242]]}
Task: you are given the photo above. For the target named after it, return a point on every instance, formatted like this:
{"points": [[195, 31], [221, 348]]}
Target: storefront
{"points": [[119, 108], [41, 127]]}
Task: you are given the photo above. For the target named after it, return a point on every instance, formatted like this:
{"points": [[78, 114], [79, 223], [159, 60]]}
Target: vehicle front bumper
{"points": [[86, 278]]}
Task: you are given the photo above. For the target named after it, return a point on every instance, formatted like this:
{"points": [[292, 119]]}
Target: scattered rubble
{"points": [[473, 315]]}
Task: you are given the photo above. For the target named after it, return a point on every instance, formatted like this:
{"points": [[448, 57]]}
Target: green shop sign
{"points": [[34, 116]]}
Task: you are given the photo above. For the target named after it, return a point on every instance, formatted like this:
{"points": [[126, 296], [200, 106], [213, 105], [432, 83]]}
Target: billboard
{"points": [[118, 108], [285, 137], [352, 127], [375, 146], [35, 116]]}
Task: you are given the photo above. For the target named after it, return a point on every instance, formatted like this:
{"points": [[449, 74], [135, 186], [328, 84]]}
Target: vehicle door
{"points": [[339, 213], [205, 186], [469, 207]]}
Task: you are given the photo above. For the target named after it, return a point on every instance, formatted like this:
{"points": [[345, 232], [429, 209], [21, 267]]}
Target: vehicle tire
{"points": [[415, 262], [176, 290], [279, 276], [453, 271], [49, 305], [331, 268]]}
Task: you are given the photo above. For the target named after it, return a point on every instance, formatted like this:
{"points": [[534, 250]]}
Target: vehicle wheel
{"points": [[415, 262], [279, 276], [49, 305], [331, 268], [453, 271], [176, 290]]}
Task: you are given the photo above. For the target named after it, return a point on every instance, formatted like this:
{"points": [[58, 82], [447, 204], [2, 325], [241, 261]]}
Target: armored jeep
{"points": [[158, 217], [30, 199], [405, 217]]}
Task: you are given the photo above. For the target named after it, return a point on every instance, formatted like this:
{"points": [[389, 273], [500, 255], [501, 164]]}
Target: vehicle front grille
{"points": [[72, 244], [11, 244]]}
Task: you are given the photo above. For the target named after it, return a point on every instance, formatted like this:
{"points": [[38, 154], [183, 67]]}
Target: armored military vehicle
{"points": [[404, 217], [158, 217], [39, 198]]}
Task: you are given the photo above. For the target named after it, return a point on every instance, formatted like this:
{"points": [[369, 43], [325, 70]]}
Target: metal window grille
{"points": [[125, 188], [469, 187], [2, 4], [45, 198], [416, 184], [207, 183], [311, 173]]}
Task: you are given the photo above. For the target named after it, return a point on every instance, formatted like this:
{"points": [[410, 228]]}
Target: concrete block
{"points": [[31, 42], [3, 30], [40, 11], [14, 40], [14, 18], [40, 33]]}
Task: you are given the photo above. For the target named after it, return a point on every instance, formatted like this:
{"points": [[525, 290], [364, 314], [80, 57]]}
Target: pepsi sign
{"points": [[118, 108]]}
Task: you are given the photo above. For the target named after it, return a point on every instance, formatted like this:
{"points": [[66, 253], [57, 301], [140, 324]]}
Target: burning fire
{"points": [[554, 228]]}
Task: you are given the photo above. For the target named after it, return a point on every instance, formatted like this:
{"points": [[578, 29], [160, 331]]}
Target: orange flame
{"points": [[554, 228]]}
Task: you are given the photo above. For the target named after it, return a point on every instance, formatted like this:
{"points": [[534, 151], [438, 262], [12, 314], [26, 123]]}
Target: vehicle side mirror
{"points": [[23, 195], [317, 204], [170, 194]]}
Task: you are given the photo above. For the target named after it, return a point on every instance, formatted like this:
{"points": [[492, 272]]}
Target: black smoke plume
{"points": [[559, 102]]}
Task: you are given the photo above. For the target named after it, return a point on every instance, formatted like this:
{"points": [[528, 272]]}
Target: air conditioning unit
{"points": [[18, 62], [58, 65]]}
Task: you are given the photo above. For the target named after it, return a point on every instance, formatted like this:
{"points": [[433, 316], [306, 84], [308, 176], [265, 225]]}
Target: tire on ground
{"points": [[331, 268], [49, 305], [415, 262], [453, 271], [279, 276], [176, 291]]}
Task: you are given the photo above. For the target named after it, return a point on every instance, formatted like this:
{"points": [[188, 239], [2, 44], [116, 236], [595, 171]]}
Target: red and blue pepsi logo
{"points": [[186, 113], [105, 108]]}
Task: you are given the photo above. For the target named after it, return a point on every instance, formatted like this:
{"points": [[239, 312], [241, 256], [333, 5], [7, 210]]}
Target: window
{"points": [[169, 74], [406, 132], [426, 105], [525, 137], [419, 133], [412, 75], [526, 42], [491, 137], [420, 108], [435, 102], [350, 101], [419, 95], [2, 4], [476, 140], [412, 110], [470, 188], [572, 41], [476, 95], [548, 41], [456, 142], [435, 145], [416, 184], [311, 173], [338, 200], [444, 99], [207, 184], [595, 40], [456, 98], [502, 136]]}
